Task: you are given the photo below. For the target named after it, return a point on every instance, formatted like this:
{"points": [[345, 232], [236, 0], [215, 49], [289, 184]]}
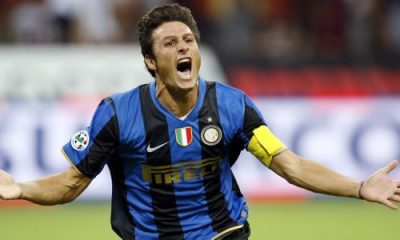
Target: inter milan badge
{"points": [[80, 140], [184, 136], [211, 135]]}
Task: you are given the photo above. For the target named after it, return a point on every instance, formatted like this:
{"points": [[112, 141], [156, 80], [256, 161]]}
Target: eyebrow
{"points": [[174, 36]]}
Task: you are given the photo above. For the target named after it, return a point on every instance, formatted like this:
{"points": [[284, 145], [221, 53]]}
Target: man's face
{"points": [[177, 56]]}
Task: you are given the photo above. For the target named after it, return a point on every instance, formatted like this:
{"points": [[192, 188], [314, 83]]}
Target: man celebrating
{"points": [[170, 146]]}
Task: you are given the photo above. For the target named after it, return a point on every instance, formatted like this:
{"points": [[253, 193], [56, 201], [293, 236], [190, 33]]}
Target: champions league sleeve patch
{"points": [[80, 140]]}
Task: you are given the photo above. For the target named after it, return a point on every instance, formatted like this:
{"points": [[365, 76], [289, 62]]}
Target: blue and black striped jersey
{"points": [[171, 178]]}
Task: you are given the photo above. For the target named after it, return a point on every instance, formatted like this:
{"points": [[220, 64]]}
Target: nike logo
{"points": [[152, 149]]}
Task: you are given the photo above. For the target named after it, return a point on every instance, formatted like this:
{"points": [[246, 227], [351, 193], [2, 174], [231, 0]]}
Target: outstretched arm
{"points": [[55, 189], [317, 178], [313, 176], [379, 187]]}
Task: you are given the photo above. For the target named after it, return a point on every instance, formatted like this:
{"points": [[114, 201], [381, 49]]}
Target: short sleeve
{"points": [[252, 119], [90, 148]]}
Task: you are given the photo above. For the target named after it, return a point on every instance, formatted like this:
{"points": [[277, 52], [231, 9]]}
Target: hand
{"points": [[9, 189], [380, 188]]}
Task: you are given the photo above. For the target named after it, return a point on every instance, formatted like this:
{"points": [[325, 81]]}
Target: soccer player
{"points": [[170, 145]]}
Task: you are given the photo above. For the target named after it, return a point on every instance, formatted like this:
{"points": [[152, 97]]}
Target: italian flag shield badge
{"points": [[184, 136]]}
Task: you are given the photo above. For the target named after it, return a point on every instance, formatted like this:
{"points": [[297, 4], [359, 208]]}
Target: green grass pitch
{"points": [[318, 219]]}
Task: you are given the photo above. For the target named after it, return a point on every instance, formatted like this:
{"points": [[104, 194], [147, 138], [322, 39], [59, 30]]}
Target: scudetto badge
{"points": [[184, 136], [211, 135], [80, 140]]}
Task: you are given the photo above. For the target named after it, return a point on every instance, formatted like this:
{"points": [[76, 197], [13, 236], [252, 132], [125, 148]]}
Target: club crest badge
{"points": [[211, 135], [184, 136], [80, 140]]}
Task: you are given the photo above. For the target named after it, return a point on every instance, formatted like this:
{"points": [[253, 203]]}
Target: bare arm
{"points": [[313, 176], [379, 187], [55, 189], [317, 178]]}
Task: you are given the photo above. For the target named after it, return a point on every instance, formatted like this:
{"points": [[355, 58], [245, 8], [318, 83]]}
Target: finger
{"points": [[392, 165], [389, 204], [395, 198], [4, 174]]}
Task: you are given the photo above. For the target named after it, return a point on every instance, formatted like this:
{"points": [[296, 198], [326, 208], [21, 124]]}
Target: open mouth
{"points": [[184, 68]]}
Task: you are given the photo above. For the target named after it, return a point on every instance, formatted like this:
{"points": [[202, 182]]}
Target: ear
{"points": [[150, 62]]}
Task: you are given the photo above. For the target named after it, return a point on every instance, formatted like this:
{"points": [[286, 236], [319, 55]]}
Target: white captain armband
{"points": [[264, 145]]}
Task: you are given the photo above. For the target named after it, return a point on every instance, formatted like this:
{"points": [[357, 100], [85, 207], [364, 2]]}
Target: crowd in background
{"points": [[261, 31]]}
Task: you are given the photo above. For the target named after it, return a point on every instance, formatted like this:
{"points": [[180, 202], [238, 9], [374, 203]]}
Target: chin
{"points": [[187, 84]]}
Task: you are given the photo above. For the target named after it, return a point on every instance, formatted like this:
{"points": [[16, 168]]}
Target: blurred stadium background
{"points": [[325, 73]]}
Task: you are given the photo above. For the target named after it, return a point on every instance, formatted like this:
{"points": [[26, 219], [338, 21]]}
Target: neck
{"points": [[178, 102]]}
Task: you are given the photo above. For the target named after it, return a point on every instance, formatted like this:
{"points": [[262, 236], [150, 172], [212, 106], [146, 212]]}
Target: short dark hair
{"points": [[156, 17]]}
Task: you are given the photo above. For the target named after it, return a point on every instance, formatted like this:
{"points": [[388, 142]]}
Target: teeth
{"points": [[184, 60]]}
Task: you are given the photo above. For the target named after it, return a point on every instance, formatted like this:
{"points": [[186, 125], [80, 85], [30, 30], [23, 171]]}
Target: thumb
{"points": [[392, 165], [5, 178]]}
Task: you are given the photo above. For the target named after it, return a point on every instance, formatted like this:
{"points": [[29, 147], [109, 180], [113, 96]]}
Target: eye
{"points": [[189, 40], [169, 43]]}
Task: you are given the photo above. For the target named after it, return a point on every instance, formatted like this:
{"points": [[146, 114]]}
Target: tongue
{"points": [[184, 74]]}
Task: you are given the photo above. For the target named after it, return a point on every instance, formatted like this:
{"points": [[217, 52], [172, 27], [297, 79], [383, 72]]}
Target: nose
{"points": [[183, 47]]}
